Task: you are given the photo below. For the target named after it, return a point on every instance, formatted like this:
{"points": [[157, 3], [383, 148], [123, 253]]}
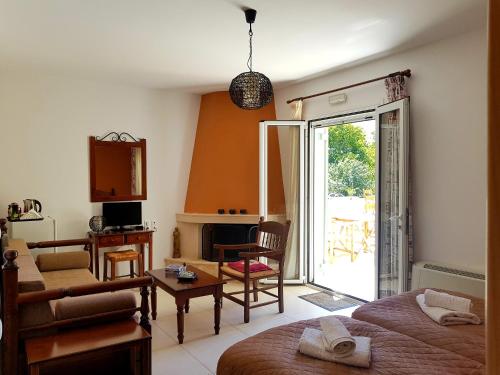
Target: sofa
{"points": [[58, 291]]}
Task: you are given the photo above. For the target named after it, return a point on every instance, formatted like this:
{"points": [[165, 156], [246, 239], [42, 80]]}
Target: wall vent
{"points": [[447, 277], [453, 271]]}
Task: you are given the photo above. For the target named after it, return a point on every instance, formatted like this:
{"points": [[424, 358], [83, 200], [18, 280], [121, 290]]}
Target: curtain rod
{"points": [[404, 73]]}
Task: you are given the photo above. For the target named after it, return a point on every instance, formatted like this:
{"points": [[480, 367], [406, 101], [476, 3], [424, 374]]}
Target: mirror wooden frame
{"points": [[94, 197]]}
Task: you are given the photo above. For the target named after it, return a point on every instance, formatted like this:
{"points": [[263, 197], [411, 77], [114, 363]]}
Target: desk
{"points": [[112, 239]]}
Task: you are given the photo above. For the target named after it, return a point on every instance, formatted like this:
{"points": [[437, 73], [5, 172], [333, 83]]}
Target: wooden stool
{"points": [[115, 257]]}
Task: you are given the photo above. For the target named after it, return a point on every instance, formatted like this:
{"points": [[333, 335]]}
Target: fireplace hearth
{"points": [[225, 234]]}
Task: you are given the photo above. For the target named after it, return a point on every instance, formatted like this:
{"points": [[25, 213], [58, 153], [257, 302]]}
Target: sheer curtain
{"points": [[292, 197]]}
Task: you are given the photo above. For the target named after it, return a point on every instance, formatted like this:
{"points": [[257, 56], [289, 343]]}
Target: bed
{"points": [[397, 348], [402, 314]]}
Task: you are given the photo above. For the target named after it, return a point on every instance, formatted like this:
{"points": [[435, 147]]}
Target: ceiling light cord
{"points": [[249, 61]]}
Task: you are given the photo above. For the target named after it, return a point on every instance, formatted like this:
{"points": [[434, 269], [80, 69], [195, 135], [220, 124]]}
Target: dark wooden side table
{"points": [[205, 285], [123, 346], [132, 237]]}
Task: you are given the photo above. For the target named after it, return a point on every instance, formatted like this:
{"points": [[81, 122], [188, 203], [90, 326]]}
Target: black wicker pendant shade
{"points": [[251, 90]]}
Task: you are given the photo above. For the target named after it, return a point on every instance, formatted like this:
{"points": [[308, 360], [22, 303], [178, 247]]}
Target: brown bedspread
{"points": [[275, 351], [402, 314]]}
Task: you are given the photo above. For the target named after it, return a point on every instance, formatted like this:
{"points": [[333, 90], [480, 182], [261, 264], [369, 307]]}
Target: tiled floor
{"points": [[201, 348]]}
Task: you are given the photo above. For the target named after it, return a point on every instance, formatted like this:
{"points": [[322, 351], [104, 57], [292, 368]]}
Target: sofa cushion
{"points": [[63, 261], [76, 307], [68, 278], [35, 314]]}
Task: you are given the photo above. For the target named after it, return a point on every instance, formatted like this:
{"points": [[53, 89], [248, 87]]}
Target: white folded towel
{"points": [[447, 301], [447, 317], [336, 337], [311, 344]]}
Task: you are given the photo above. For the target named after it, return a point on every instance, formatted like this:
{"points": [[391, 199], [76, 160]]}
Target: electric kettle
{"points": [[32, 204]]}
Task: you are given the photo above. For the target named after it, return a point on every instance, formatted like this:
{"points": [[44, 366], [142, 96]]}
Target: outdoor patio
{"points": [[348, 264]]}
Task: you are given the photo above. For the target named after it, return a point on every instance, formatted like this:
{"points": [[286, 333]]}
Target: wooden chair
{"points": [[270, 243]]}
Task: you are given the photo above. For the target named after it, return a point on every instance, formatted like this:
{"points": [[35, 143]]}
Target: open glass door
{"points": [[282, 187], [392, 205], [358, 198], [342, 199]]}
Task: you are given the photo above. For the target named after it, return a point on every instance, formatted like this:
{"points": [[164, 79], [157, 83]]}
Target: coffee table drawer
{"points": [[137, 238], [111, 241]]}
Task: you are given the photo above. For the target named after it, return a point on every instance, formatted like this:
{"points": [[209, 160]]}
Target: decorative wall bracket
{"points": [[118, 137]]}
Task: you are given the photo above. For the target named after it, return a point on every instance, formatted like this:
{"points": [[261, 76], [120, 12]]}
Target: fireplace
{"points": [[225, 234]]}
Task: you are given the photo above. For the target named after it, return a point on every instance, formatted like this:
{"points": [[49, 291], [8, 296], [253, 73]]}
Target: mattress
{"points": [[275, 351], [402, 314]]}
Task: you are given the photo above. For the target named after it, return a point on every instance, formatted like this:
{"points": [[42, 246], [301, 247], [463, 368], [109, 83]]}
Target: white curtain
{"points": [[292, 197]]}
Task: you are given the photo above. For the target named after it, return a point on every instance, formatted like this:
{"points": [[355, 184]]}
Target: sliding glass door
{"points": [[282, 187]]}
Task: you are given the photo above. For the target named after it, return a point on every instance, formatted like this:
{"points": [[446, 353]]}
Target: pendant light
{"points": [[251, 90]]}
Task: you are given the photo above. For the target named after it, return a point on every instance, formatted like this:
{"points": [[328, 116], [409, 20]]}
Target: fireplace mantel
{"points": [[222, 219]]}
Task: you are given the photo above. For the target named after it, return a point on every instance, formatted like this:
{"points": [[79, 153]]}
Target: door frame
{"points": [[340, 118], [263, 202]]}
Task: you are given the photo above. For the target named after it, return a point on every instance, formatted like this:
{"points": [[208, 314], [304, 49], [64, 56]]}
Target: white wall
{"points": [[45, 122], [448, 138]]}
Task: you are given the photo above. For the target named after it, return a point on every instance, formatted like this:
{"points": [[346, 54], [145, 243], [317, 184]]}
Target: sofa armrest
{"points": [[60, 243], [63, 261]]}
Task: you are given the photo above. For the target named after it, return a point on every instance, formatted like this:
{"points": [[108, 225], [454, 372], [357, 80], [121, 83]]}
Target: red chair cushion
{"points": [[255, 266]]}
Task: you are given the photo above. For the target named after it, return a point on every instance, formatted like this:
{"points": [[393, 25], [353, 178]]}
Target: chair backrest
{"points": [[272, 235]]}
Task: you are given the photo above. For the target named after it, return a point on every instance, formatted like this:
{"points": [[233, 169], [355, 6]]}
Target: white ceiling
{"points": [[202, 44]]}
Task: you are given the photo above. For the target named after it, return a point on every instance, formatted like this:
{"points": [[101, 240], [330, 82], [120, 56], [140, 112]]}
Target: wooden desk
{"points": [[204, 285], [122, 346], [112, 239]]}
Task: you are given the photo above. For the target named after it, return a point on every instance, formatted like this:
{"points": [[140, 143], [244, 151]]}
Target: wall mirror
{"points": [[117, 168]]}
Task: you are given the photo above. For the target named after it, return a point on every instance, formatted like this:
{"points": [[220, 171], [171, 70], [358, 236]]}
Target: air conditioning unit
{"points": [[435, 275]]}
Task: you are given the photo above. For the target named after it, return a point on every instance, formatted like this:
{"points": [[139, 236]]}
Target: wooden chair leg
{"points": [[140, 265], [132, 274], [280, 294], [255, 291], [105, 277], [113, 269], [246, 306]]}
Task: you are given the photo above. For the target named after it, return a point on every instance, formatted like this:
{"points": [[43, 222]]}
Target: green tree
{"points": [[348, 139], [350, 177], [351, 161]]}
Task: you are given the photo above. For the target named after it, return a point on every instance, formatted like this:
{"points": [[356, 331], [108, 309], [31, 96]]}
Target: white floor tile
{"points": [[207, 350], [177, 360], [202, 348]]}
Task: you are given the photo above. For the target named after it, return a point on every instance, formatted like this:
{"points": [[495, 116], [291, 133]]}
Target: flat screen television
{"points": [[122, 214]]}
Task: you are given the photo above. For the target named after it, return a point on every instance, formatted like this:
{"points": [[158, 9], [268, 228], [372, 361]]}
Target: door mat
{"points": [[331, 301]]}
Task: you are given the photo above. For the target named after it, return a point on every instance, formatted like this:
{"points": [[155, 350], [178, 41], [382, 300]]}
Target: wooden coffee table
{"points": [[205, 285]]}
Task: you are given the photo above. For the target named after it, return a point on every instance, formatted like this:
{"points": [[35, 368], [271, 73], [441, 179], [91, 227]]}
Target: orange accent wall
{"points": [[225, 164]]}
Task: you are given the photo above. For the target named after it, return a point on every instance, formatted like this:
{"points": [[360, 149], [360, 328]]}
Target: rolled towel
{"points": [[447, 317], [336, 337], [447, 301], [311, 344]]}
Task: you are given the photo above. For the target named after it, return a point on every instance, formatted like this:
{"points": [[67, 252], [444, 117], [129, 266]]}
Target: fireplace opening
{"points": [[225, 234]]}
